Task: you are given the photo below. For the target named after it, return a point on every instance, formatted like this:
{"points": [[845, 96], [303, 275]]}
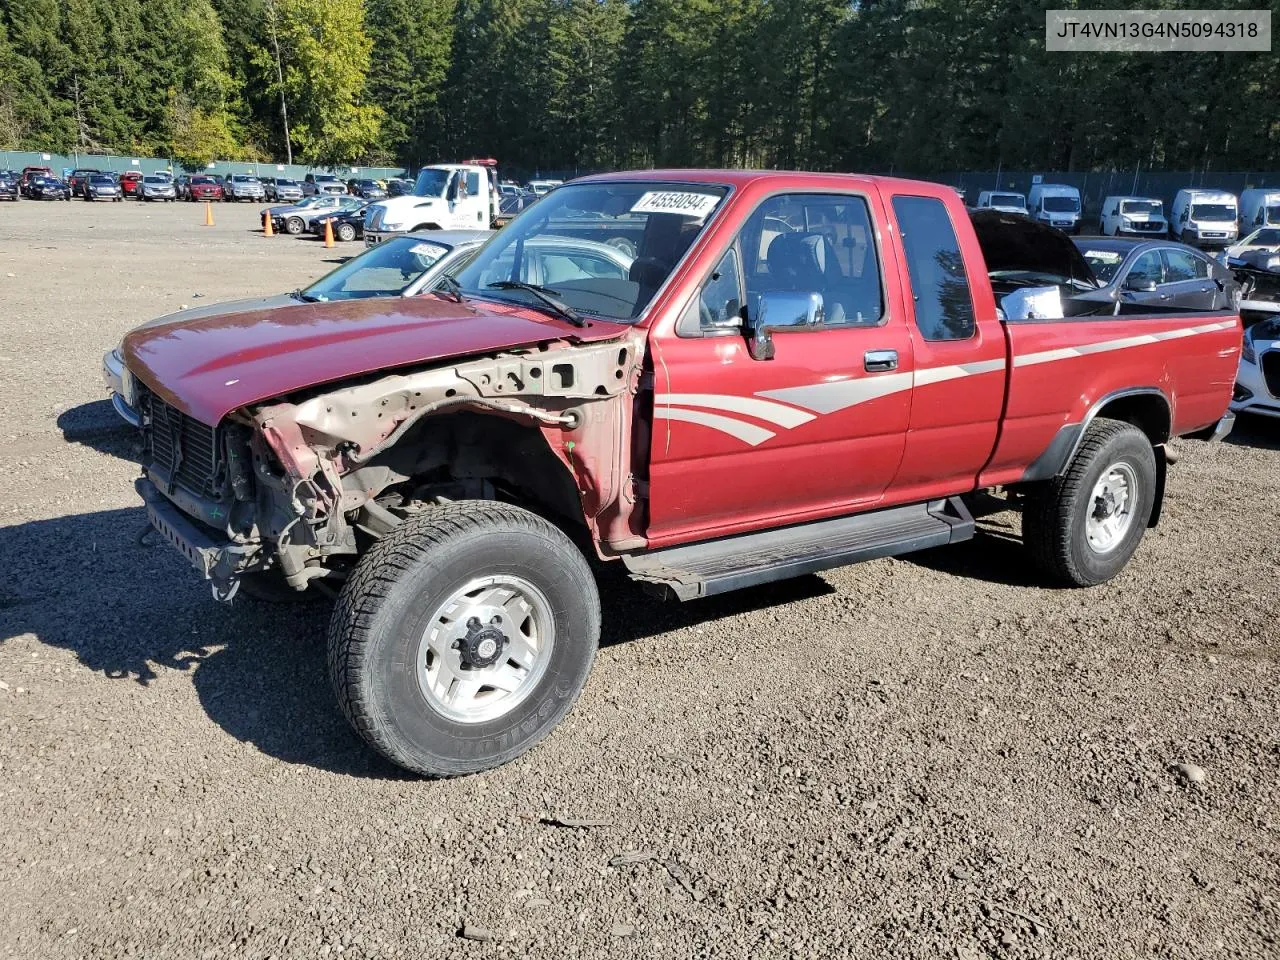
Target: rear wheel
{"points": [[463, 637], [1083, 527]]}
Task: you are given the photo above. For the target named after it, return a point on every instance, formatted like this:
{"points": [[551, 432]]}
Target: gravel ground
{"points": [[928, 757]]}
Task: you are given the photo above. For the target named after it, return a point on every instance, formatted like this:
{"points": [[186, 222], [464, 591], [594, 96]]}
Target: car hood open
{"points": [[211, 365], [1010, 242]]}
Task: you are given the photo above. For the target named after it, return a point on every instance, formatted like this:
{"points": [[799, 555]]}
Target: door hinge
{"points": [[637, 489]]}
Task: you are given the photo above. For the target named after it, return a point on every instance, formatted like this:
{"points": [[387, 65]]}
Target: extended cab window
{"points": [[939, 284], [815, 243]]}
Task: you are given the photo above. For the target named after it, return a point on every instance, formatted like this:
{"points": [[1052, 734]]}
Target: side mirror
{"points": [[1140, 284], [783, 311]]}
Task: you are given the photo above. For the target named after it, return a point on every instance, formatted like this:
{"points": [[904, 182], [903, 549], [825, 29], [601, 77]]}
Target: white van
{"points": [[1057, 205], [1133, 217], [1259, 208], [1204, 218], [1005, 200]]}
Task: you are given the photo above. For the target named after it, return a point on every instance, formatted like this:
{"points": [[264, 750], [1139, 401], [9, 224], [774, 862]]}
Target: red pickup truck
{"points": [[784, 373]]}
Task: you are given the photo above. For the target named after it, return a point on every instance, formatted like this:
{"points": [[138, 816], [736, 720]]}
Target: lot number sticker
{"points": [[695, 205]]}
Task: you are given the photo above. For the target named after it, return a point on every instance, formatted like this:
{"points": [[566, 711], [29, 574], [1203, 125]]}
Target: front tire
{"points": [[1082, 528], [346, 232], [463, 637], [293, 226]]}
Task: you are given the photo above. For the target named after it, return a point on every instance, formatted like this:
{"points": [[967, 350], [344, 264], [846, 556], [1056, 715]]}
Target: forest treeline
{"points": [[915, 86]]}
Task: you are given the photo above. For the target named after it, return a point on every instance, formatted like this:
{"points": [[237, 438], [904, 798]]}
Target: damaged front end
{"points": [[296, 489], [1258, 273]]}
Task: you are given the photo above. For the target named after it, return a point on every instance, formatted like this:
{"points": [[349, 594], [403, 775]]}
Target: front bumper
{"points": [[375, 237], [113, 376], [217, 558], [1251, 394]]}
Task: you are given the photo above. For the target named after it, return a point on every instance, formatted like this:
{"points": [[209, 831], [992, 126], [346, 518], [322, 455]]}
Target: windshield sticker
{"points": [[695, 205], [1103, 256], [432, 250]]}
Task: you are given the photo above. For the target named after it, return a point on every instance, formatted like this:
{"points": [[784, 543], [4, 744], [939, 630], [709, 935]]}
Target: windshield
{"points": [[382, 271], [1213, 212], [1008, 200], [1105, 263], [280, 182], [241, 179], [102, 181], [324, 178], [431, 183], [197, 180], [579, 241], [1266, 237], [155, 180], [1151, 208], [1061, 204]]}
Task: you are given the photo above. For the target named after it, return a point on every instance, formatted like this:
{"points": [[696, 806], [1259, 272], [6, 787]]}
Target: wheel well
{"points": [[1149, 412], [464, 449], [426, 226]]}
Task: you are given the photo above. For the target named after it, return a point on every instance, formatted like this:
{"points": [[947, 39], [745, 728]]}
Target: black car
{"points": [[9, 185], [1156, 273], [399, 188], [78, 180], [46, 188], [347, 226]]}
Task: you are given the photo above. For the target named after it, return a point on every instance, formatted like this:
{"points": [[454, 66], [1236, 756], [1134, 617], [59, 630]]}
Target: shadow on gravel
{"points": [[993, 556], [97, 425], [85, 584], [1262, 433]]}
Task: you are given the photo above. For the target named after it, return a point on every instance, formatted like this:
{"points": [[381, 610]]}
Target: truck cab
{"points": [[1259, 208], [1204, 218], [446, 196], [1056, 204]]}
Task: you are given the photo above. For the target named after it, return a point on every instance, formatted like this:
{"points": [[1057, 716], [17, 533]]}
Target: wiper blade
{"points": [[546, 295], [304, 297], [451, 285]]}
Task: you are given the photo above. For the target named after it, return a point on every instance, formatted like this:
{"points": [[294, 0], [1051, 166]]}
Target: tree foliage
{"points": [[911, 86]]}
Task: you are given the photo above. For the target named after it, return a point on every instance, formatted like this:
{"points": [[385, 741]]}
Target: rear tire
{"points": [[1082, 528], [424, 663]]}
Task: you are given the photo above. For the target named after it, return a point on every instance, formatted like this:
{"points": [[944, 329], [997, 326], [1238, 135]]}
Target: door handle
{"points": [[880, 361]]}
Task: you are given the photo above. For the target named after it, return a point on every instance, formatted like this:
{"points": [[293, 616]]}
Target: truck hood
{"points": [[210, 365], [398, 210]]}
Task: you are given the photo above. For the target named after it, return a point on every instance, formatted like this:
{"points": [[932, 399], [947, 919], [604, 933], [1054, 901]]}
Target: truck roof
{"points": [[743, 178]]}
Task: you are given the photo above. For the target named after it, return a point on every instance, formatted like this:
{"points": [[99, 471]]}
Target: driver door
{"points": [[741, 443], [1148, 268]]}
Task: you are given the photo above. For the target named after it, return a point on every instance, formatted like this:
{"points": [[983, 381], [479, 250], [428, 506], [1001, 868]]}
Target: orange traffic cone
{"points": [[208, 214], [266, 224], [328, 233]]}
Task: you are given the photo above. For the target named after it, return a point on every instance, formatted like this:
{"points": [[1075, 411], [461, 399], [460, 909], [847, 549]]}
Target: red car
{"points": [[131, 183], [794, 371], [204, 188]]}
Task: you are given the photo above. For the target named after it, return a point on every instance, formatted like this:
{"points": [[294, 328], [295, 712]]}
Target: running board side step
{"points": [[731, 563]]}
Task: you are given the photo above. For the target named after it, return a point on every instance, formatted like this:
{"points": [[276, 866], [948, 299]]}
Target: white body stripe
{"points": [[778, 413], [841, 394], [746, 432]]}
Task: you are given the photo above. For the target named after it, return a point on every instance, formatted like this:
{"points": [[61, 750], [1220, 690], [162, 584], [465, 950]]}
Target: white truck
{"points": [[1259, 208], [1204, 218], [446, 196]]}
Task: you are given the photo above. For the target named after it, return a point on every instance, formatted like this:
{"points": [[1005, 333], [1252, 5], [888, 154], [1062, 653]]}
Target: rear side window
{"points": [[1179, 265], [939, 284]]}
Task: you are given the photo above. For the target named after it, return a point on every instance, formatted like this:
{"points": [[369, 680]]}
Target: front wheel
{"points": [[346, 232], [293, 226], [463, 637], [1083, 527]]}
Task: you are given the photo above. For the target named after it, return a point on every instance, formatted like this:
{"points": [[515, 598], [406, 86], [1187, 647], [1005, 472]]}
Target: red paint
{"points": [[211, 366]]}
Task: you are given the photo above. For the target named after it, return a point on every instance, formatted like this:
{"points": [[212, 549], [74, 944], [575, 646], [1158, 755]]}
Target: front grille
{"points": [[1270, 362], [182, 451]]}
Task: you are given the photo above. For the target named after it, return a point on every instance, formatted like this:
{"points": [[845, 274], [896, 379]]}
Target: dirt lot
{"points": [[932, 757]]}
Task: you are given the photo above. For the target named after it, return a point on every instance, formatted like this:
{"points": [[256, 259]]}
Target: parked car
{"points": [[28, 173], [314, 183], [244, 187], [1055, 204], [398, 187], [341, 204], [1204, 218], [1263, 239], [1259, 208], [1128, 216], [681, 421], [204, 187], [1006, 201], [292, 217], [347, 225], [46, 188], [131, 184], [1255, 264], [367, 189], [9, 186], [157, 188], [101, 186], [79, 179], [1154, 274], [283, 189], [163, 174], [1257, 386], [541, 188]]}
